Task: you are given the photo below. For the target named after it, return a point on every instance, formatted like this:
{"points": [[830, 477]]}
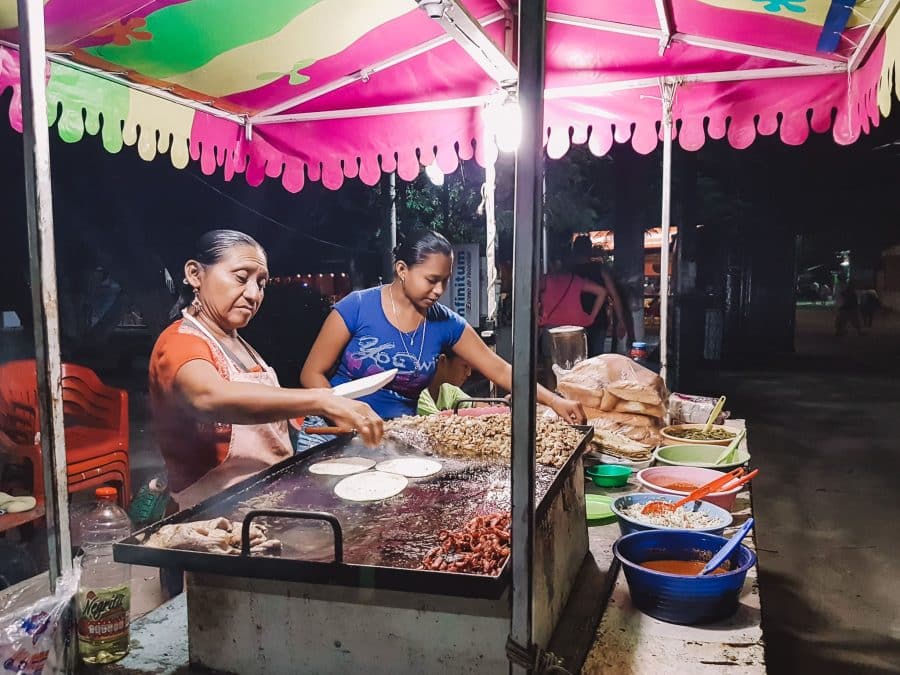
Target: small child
{"points": [[444, 390]]}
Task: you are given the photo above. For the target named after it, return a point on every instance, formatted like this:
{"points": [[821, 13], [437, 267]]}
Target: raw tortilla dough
{"points": [[342, 466], [412, 467], [370, 486]]}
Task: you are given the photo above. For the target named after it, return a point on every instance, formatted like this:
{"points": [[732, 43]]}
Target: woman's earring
{"points": [[196, 305]]}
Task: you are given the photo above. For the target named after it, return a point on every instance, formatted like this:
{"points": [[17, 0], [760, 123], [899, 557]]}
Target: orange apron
{"points": [[253, 447]]}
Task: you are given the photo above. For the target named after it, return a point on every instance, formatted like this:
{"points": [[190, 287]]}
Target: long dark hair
{"points": [[209, 250], [414, 249]]}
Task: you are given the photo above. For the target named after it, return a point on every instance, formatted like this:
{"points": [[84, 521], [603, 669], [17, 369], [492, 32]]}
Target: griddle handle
{"points": [[299, 515], [464, 401]]}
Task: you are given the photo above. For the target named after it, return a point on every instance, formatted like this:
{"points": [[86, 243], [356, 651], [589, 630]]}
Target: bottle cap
{"points": [[106, 494]]}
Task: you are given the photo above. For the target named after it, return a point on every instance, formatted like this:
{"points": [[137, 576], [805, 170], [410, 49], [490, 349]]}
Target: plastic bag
{"points": [[29, 622], [690, 409], [606, 380]]}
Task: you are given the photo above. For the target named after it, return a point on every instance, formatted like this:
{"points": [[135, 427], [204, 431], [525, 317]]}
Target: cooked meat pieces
{"points": [[218, 535], [484, 436], [481, 547]]}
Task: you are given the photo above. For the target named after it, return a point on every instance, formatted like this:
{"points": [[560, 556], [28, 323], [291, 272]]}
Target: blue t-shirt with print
{"points": [[375, 346]]}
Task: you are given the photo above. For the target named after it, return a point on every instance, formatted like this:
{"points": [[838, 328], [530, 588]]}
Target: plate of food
{"points": [[365, 386], [613, 448]]}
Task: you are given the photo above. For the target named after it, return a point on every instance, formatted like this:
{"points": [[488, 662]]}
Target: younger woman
{"points": [[401, 325]]}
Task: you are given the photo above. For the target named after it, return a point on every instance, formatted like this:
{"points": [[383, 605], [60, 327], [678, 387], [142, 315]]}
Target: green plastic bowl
{"points": [[698, 455], [609, 475]]}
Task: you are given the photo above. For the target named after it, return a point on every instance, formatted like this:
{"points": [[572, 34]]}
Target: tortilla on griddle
{"points": [[370, 486], [342, 466], [411, 467]]}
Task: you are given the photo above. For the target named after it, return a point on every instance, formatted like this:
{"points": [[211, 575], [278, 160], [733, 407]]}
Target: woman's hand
{"points": [[355, 415], [570, 411]]}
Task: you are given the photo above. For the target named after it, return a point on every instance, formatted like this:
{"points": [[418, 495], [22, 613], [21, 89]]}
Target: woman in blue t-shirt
{"points": [[401, 325]]}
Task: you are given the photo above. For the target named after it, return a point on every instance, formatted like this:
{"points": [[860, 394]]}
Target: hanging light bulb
{"points": [[504, 118], [509, 130], [434, 173]]}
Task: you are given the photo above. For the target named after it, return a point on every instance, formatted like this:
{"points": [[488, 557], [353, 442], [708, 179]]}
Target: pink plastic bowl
{"points": [[654, 478]]}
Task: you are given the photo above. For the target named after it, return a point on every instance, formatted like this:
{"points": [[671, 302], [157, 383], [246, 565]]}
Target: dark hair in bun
{"points": [[414, 249], [209, 250]]}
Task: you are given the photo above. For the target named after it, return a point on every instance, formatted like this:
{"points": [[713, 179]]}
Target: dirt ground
{"points": [[824, 435]]}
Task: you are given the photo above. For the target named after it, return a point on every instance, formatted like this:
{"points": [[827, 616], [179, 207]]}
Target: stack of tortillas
{"points": [[388, 479], [11, 504]]}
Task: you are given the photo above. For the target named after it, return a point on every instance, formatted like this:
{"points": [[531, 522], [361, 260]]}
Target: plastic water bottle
{"points": [[104, 596]]}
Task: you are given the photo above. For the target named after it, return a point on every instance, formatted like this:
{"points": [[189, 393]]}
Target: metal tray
{"points": [[335, 569]]}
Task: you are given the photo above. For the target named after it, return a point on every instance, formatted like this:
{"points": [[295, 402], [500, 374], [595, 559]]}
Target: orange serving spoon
{"points": [[663, 507]]}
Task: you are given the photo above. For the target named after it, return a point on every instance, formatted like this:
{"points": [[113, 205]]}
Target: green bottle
{"points": [[149, 505]]}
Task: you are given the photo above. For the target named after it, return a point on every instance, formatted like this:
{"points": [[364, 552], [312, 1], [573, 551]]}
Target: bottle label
{"points": [[103, 614]]}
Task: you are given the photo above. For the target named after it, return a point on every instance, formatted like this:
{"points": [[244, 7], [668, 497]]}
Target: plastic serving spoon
{"points": [[729, 451], [720, 404], [699, 493], [727, 549], [746, 479]]}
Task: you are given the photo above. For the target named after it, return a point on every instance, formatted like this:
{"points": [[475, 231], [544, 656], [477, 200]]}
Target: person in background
{"points": [[846, 305], [445, 388], [219, 412], [585, 266], [869, 302], [402, 325]]}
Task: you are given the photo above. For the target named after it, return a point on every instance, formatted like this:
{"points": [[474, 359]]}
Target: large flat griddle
{"points": [[328, 540]]}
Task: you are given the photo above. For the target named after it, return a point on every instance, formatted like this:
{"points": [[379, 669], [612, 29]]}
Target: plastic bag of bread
{"points": [[601, 381]]}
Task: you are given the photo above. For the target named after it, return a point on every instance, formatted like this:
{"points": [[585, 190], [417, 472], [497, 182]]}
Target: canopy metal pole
{"points": [[668, 97], [545, 246], [490, 249], [44, 297], [527, 230], [392, 234]]}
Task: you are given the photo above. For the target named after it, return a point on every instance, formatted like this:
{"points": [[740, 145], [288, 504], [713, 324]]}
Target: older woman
{"points": [[401, 325], [220, 414]]}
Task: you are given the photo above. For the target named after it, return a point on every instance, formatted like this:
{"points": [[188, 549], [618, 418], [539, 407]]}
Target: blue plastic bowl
{"points": [[676, 598], [628, 525]]}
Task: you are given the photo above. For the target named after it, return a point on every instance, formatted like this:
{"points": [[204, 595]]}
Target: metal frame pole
{"points": [[527, 220], [545, 244], [392, 235], [668, 97], [44, 296], [490, 228]]}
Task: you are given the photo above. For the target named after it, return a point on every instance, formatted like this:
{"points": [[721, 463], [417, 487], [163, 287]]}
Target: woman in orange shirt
{"points": [[220, 414]]}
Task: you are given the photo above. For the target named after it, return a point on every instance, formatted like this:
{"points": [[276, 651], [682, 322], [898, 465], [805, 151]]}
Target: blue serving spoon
{"points": [[728, 548]]}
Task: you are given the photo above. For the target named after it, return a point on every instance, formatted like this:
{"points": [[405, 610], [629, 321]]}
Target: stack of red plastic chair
{"points": [[96, 427]]}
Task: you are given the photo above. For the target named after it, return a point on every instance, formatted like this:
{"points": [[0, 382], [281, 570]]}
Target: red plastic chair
{"points": [[96, 427]]}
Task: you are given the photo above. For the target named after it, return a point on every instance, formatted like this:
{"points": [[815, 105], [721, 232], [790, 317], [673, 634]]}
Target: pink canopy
{"points": [[327, 89]]}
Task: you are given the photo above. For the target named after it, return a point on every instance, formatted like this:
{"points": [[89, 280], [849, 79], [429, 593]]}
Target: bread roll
{"points": [[609, 401], [637, 408], [630, 390]]}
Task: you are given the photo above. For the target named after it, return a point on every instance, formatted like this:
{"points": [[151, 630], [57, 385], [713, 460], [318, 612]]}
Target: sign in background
{"points": [[463, 294]]}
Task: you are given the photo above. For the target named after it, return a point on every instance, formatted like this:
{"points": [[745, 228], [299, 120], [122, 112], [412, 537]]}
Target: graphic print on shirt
{"points": [[374, 356]]}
